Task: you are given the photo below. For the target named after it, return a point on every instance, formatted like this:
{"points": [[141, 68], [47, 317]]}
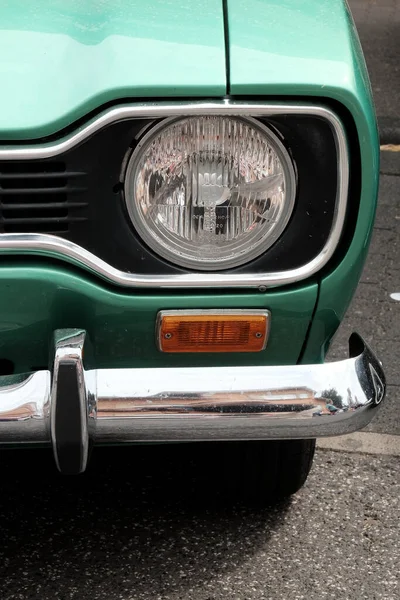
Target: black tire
{"points": [[260, 471]]}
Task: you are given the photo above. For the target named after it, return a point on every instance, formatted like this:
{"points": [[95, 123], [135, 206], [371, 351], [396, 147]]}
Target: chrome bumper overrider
{"points": [[71, 407]]}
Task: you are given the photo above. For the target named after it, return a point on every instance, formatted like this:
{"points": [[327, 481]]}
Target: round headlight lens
{"points": [[210, 192]]}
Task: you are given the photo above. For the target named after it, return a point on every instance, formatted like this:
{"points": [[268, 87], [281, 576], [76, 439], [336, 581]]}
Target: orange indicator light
{"points": [[213, 330]]}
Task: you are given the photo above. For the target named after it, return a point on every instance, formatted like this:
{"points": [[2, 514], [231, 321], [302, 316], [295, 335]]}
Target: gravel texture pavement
{"points": [[139, 526]]}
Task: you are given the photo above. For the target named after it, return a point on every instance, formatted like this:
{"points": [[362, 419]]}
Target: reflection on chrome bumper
{"points": [[71, 408]]}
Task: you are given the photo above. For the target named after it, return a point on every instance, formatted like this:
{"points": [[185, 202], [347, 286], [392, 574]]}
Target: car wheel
{"points": [[263, 470]]}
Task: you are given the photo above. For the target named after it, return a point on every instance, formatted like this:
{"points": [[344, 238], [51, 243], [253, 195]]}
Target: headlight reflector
{"points": [[210, 192]]}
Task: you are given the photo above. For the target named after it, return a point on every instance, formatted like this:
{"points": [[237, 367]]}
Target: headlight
{"points": [[210, 192]]}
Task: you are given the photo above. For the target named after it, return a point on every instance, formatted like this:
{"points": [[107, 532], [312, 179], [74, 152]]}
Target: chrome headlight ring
{"points": [[210, 192]]}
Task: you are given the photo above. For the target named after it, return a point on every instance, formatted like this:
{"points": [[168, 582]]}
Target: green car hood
{"points": [[61, 59]]}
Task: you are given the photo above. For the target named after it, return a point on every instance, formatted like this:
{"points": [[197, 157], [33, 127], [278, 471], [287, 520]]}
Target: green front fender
{"points": [[311, 48]]}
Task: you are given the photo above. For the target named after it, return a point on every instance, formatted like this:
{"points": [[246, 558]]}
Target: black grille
{"points": [[40, 197]]}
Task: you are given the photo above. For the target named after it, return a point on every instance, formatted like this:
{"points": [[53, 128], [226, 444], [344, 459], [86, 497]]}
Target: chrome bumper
{"points": [[71, 407]]}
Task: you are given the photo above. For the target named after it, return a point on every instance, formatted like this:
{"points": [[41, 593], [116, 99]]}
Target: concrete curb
{"points": [[389, 130], [364, 443]]}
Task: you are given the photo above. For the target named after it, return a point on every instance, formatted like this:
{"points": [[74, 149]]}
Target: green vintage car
{"points": [[187, 193]]}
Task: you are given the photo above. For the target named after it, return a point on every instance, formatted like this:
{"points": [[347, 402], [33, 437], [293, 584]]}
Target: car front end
{"points": [[186, 207]]}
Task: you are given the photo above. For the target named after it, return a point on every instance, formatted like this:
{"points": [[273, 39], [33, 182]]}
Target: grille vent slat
{"points": [[5, 191], [39, 175], [39, 197], [46, 219], [39, 205]]}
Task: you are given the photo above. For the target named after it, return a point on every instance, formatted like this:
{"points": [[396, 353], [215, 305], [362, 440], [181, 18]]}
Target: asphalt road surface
{"points": [[139, 526]]}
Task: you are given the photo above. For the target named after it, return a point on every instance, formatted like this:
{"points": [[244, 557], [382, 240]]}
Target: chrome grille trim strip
{"points": [[55, 247]]}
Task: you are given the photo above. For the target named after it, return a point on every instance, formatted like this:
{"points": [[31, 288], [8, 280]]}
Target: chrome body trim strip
{"points": [[55, 247], [221, 403]]}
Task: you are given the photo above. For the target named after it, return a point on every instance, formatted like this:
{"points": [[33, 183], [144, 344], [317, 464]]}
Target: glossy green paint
{"points": [[310, 48], [36, 300], [61, 59]]}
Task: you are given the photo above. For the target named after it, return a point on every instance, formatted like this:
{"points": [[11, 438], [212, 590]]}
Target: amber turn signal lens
{"points": [[213, 331]]}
